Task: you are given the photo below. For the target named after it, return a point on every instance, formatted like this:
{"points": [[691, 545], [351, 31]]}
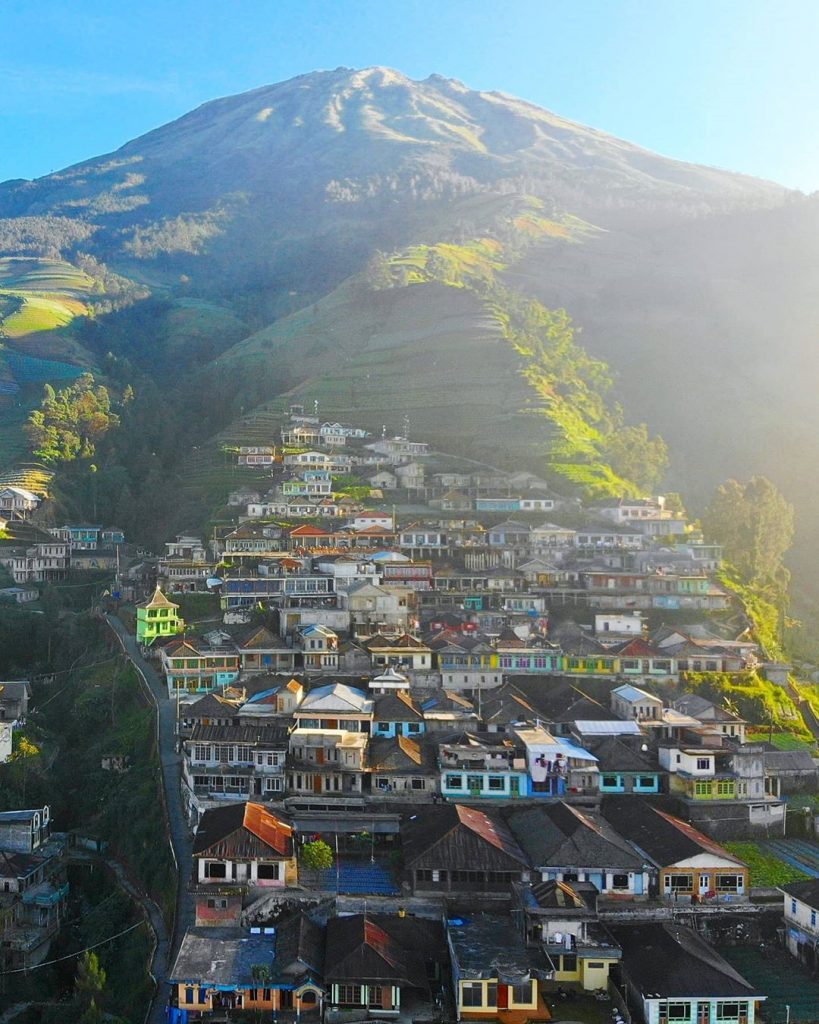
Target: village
{"points": [[449, 746]]}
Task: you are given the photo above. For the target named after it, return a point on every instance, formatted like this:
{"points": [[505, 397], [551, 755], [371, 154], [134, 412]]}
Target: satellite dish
{"points": [[213, 581]]}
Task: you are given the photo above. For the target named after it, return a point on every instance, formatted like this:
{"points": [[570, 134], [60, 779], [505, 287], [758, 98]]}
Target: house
{"points": [[715, 719], [556, 766], [672, 974], [17, 503], [33, 886], [561, 919], [241, 760], [631, 702], [509, 534], [801, 913], [467, 663], [260, 651], [270, 972], [192, 666], [324, 761], [32, 555], [625, 510], [405, 651], [335, 706], [487, 766], [377, 609], [383, 964], [574, 844], [689, 866], [410, 475], [789, 771], [402, 767], [625, 766], [157, 617], [549, 537], [494, 972], [244, 844], [397, 714], [319, 647], [449, 710], [451, 850], [14, 698], [384, 480]]}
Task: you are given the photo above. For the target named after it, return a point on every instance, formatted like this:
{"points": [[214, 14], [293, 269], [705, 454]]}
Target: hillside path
{"points": [[180, 836]]}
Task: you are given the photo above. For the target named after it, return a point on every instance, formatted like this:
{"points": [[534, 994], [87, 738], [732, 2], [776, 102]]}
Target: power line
{"points": [[70, 956]]}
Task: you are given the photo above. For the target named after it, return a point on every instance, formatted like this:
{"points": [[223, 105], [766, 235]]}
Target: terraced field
{"points": [[43, 294], [30, 475]]}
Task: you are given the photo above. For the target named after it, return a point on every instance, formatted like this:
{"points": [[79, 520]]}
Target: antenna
{"points": [[406, 427], [383, 431]]}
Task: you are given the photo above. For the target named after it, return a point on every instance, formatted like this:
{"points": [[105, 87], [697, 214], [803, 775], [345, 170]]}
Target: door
{"points": [[316, 783], [705, 884], [503, 997]]}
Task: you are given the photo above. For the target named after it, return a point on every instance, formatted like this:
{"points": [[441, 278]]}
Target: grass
{"points": [[767, 871], [781, 740]]}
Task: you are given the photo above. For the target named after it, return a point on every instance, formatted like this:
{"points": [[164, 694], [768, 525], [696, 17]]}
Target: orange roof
{"points": [[268, 828], [308, 531]]}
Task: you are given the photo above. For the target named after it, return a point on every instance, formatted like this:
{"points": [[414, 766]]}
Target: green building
{"points": [[157, 617]]}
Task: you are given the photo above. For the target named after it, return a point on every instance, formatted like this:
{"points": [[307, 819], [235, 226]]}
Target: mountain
{"points": [[244, 186], [253, 218]]}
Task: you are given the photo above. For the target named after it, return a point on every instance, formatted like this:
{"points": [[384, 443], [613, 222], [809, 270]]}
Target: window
{"points": [[217, 904], [793, 908], [349, 995], [492, 994], [268, 871], [729, 1011], [595, 965], [419, 784], [203, 995], [610, 780], [679, 883], [471, 993], [214, 870], [374, 995], [813, 919], [569, 965], [496, 783], [677, 1011], [703, 764], [646, 782], [702, 789], [725, 788], [522, 994], [619, 881], [188, 995], [703, 1013], [729, 883]]}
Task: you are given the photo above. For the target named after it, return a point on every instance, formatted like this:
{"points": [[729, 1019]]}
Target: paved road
{"points": [[171, 763]]}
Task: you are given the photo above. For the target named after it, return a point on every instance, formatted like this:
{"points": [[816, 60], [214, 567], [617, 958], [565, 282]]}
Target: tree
{"points": [[89, 982], [317, 855], [754, 523], [70, 423], [378, 274], [636, 456]]}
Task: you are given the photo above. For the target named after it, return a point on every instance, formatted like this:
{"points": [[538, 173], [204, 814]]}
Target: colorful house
{"points": [[157, 617]]}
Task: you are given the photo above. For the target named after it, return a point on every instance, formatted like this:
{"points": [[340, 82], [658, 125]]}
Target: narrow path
{"points": [[181, 845]]}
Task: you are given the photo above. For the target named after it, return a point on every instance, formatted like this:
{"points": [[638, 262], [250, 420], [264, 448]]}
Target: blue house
{"points": [[626, 768], [397, 714]]}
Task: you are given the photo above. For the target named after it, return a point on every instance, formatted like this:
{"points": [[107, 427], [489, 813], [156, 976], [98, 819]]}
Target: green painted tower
{"points": [[157, 617]]}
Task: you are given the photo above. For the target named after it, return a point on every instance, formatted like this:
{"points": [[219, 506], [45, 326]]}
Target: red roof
{"points": [[268, 828], [308, 531]]}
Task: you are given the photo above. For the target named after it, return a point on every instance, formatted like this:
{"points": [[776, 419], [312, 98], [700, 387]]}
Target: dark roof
{"points": [[453, 831], [490, 946], [615, 755], [807, 892], [396, 706], [562, 835], [663, 838], [672, 960], [210, 706], [402, 754], [263, 735], [789, 760], [243, 831], [300, 943], [381, 948]]}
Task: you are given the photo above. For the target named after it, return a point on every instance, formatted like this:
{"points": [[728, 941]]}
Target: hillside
{"points": [[250, 217]]}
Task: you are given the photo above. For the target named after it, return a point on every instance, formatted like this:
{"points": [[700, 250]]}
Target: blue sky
{"points": [[732, 83]]}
